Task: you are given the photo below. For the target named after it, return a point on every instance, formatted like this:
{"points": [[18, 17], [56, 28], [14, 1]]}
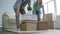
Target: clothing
{"points": [[34, 8], [37, 10], [38, 15], [38, 6], [22, 6], [23, 3]]}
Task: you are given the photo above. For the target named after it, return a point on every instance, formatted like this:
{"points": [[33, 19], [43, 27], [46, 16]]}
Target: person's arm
{"points": [[34, 8], [43, 10], [29, 3]]}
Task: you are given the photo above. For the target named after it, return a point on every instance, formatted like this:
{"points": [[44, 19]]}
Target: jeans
{"points": [[38, 15]]}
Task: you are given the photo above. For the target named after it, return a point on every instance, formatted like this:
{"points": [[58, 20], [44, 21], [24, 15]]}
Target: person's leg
{"points": [[17, 20], [38, 15]]}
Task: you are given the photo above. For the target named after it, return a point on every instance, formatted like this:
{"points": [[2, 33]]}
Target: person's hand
{"points": [[29, 8]]}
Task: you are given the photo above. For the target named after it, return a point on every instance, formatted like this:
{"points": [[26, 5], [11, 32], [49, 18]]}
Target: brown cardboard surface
{"points": [[29, 21], [34, 25], [42, 25], [49, 17], [50, 25], [27, 25]]}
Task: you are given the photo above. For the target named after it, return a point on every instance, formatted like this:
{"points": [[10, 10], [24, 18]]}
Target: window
{"points": [[51, 8], [58, 7], [45, 8], [44, 1]]}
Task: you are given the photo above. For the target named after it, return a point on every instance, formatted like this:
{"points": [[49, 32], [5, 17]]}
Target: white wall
{"points": [[57, 24], [58, 7], [6, 5], [58, 14]]}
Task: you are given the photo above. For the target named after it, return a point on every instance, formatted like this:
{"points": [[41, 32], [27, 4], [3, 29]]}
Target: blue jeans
{"points": [[38, 15]]}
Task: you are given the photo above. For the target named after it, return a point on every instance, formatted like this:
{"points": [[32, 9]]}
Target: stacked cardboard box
{"points": [[50, 18], [42, 25], [28, 25], [50, 25]]}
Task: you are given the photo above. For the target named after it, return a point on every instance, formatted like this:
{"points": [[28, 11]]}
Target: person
{"points": [[19, 9], [37, 9]]}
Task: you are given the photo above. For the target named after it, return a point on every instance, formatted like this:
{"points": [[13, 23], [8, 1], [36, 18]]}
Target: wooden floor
{"points": [[41, 32]]}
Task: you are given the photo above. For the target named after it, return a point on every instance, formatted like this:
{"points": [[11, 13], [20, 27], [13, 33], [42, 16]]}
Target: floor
{"points": [[56, 31]]}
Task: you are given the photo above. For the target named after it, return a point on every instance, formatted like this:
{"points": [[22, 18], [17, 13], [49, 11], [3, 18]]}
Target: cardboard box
{"points": [[49, 17], [50, 25], [42, 25], [28, 25]]}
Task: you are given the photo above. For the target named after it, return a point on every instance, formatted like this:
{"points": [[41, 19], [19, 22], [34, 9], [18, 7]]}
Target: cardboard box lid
{"points": [[29, 21], [49, 17]]}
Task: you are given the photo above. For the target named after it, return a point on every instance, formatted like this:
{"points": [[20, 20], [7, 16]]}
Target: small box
{"points": [[28, 25], [49, 17], [50, 24], [42, 25]]}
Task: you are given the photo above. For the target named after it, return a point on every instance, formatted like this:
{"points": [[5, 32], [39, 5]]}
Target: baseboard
{"points": [[57, 28]]}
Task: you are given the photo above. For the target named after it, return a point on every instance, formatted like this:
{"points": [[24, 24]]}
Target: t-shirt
{"points": [[39, 9]]}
